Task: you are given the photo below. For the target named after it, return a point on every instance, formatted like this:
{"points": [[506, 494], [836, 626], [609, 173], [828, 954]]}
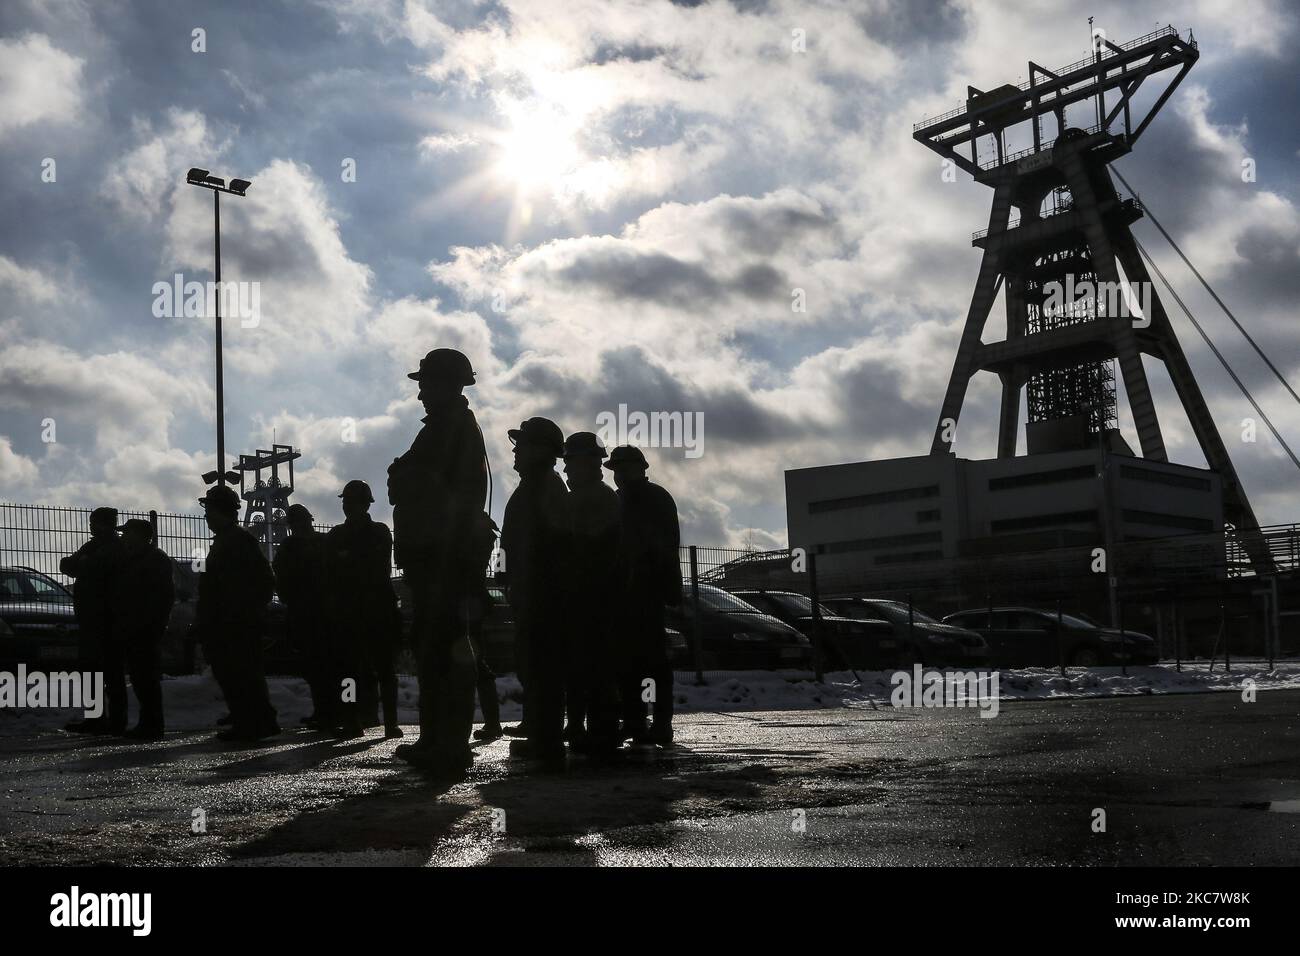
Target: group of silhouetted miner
{"points": [[587, 572], [122, 596]]}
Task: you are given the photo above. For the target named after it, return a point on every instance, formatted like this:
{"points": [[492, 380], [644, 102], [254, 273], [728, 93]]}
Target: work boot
{"points": [[487, 734], [393, 732], [413, 752], [349, 731], [659, 736]]}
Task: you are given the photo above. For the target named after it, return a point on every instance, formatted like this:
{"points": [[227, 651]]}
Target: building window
{"points": [[908, 557], [934, 514], [887, 541], [1165, 478], [1181, 522], [1036, 522], [876, 498], [1077, 473]]}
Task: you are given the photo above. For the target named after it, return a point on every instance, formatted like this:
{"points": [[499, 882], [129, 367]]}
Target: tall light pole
{"points": [[237, 187]]}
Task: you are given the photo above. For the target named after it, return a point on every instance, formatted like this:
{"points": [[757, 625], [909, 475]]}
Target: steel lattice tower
{"points": [[1057, 217]]}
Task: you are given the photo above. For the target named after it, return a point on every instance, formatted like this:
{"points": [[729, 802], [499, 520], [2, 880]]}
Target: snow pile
{"points": [[195, 703]]}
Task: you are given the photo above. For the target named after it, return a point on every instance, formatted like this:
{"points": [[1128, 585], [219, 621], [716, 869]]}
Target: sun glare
{"points": [[537, 150]]}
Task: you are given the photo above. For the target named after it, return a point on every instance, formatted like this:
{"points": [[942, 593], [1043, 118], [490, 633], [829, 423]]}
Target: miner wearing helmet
{"points": [[92, 567], [143, 595], [234, 589], [534, 539], [300, 583], [364, 617], [591, 587], [437, 490], [651, 578]]}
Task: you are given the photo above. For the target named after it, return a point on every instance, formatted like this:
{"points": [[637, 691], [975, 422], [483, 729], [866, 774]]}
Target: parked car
{"points": [[930, 642], [735, 635], [846, 641], [1026, 636], [37, 624]]}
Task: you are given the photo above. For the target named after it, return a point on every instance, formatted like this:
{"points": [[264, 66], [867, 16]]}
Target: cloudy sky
{"points": [[600, 203]]}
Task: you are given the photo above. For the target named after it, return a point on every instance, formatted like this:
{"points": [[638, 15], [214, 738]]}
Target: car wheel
{"points": [[1085, 657]]}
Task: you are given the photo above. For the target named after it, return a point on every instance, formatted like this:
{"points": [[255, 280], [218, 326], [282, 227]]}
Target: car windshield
{"points": [[715, 599], [896, 611], [796, 604], [46, 590], [1075, 621]]}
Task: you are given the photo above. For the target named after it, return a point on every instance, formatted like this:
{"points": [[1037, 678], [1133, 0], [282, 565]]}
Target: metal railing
{"points": [[1106, 53]]}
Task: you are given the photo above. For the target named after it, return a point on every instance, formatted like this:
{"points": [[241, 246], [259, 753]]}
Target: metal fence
{"points": [[40, 536], [1195, 594]]}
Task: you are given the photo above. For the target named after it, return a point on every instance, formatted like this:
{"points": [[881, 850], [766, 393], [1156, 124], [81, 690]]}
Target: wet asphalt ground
{"points": [[1188, 779]]}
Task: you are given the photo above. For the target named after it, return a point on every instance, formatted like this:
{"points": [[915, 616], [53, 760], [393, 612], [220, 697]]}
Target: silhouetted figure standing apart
{"points": [[91, 567], [234, 589], [143, 595], [300, 582], [591, 586], [651, 574], [364, 618], [534, 541], [437, 490]]}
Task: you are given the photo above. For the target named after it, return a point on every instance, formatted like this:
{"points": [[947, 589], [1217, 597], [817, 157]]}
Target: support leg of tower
{"points": [[986, 290]]}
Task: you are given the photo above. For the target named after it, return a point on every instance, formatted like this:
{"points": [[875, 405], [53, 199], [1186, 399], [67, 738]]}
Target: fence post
{"points": [[911, 622], [817, 616], [153, 525], [1123, 638], [1223, 629], [695, 619], [1177, 613], [1060, 640]]}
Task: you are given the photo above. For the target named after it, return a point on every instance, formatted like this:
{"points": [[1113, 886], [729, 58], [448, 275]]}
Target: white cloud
{"points": [[148, 177], [26, 283], [38, 83]]}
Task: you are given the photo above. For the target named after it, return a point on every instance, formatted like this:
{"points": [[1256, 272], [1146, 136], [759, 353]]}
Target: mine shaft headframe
{"points": [[1049, 92]]}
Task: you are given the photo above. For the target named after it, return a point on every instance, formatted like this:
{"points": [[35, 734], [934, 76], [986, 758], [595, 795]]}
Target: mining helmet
{"points": [[583, 444], [541, 432], [220, 497], [445, 363], [626, 455], [356, 488], [138, 525], [297, 513]]}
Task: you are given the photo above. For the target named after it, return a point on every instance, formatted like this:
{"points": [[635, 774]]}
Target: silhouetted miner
{"points": [[591, 587], [300, 582], [91, 567], [235, 587], [143, 595], [651, 577], [364, 618], [534, 541], [437, 489]]}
